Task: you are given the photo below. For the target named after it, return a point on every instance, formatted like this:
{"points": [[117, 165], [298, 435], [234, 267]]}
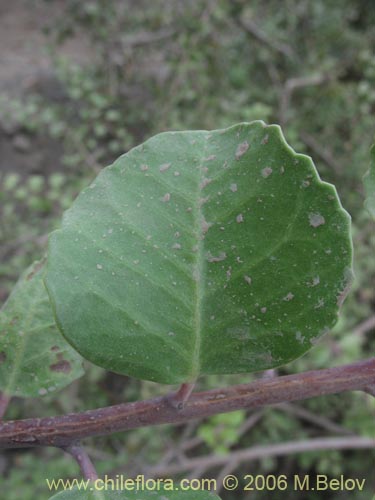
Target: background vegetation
{"points": [[186, 64]]}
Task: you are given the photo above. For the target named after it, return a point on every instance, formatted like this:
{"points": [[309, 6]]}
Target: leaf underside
{"points": [[135, 495], [35, 359], [369, 182], [201, 252]]}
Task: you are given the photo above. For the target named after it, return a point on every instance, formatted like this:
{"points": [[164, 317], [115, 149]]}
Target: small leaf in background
{"points": [[369, 182], [201, 253], [135, 495], [35, 359]]}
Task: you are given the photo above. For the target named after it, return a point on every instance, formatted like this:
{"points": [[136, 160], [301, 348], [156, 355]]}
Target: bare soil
{"points": [[27, 67]]}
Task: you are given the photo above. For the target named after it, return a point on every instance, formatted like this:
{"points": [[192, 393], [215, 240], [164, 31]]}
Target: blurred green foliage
{"points": [[185, 64], [220, 432]]}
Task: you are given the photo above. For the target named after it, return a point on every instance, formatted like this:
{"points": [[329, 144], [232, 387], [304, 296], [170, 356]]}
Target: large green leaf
{"points": [[135, 495], [369, 182], [35, 359], [201, 252]]}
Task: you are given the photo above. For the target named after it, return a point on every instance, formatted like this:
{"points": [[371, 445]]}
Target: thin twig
{"points": [[323, 153], [176, 450], [319, 420], [146, 38], [251, 28], [186, 441], [175, 453], [231, 465], [365, 326], [228, 468], [80, 455], [265, 451], [297, 83], [67, 429], [250, 422], [192, 443]]}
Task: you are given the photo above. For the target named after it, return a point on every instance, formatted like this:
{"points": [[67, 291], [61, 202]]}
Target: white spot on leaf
{"points": [[164, 167], [205, 226], [300, 337], [219, 258], [229, 273], [316, 219], [241, 149], [315, 281], [288, 297], [266, 172], [202, 201], [205, 182], [248, 279], [166, 198], [319, 304]]}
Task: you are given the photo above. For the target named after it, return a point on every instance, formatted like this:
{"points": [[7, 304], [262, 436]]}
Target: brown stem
{"points": [[67, 429], [80, 455]]}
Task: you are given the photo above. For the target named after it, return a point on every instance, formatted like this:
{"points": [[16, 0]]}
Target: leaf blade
{"points": [[35, 358], [180, 264], [369, 183]]}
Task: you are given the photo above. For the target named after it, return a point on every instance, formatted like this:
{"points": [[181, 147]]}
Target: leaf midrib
{"points": [[199, 267]]}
